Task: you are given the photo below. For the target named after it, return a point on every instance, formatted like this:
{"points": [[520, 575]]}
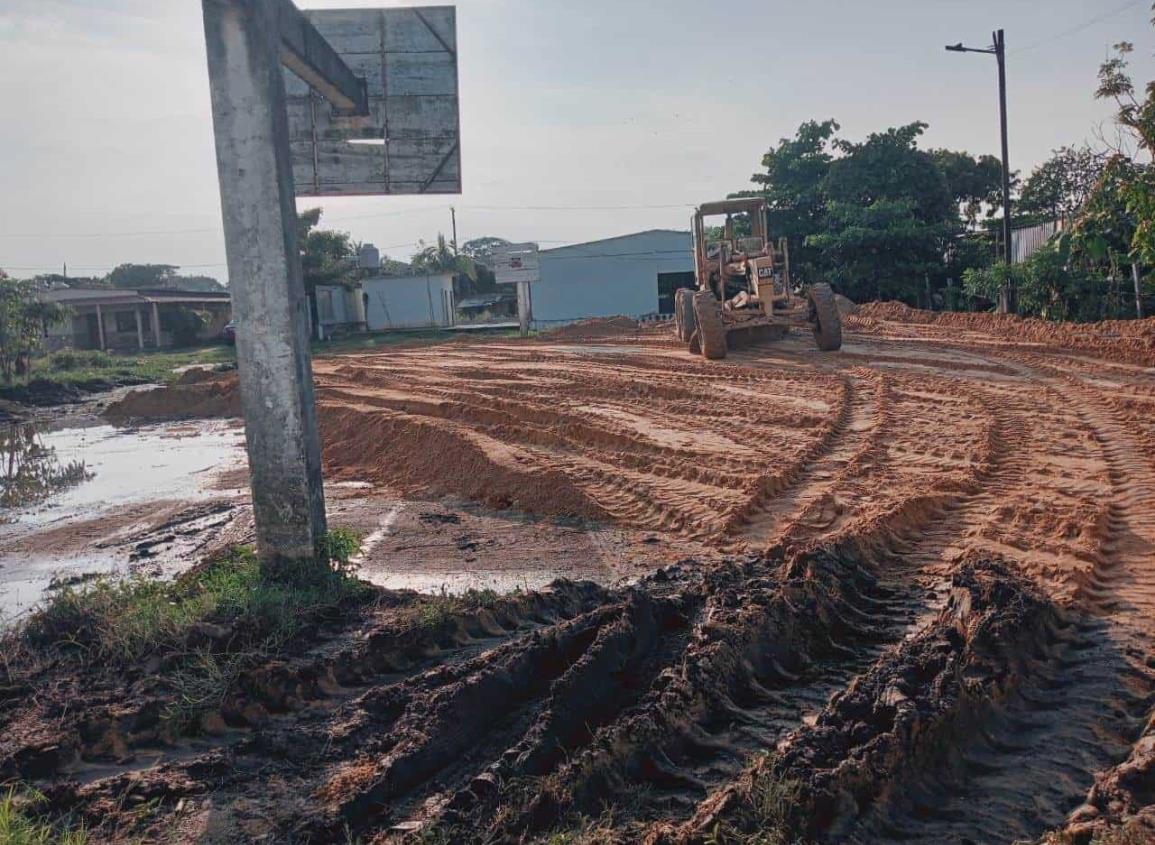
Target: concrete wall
{"points": [[339, 299], [409, 302], [609, 277]]}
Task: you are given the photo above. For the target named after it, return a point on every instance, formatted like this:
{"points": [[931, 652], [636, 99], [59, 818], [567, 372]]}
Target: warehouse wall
{"points": [[609, 277], [409, 302]]}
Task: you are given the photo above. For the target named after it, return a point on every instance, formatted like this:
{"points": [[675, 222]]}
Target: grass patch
{"points": [[771, 812], [18, 826], [206, 627], [74, 367], [433, 612]]}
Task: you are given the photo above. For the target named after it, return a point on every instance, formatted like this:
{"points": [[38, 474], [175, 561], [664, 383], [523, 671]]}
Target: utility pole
{"points": [[453, 215], [1007, 296]]}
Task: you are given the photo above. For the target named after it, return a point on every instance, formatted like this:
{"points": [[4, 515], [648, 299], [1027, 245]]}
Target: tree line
{"points": [[882, 218]]}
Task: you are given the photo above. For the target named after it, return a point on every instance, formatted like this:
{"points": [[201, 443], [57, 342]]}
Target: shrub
{"points": [[119, 621], [69, 360]]}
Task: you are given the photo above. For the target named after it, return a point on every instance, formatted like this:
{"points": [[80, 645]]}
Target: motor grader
{"points": [[744, 294]]}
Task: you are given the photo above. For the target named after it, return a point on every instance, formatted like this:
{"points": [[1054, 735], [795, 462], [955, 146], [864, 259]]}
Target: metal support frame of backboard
{"points": [[247, 42]]}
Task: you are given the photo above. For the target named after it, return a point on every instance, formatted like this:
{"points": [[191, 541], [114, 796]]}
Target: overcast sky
{"points": [[640, 108]]}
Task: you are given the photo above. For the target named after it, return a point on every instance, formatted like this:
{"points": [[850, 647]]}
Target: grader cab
{"points": [[744, 293]]}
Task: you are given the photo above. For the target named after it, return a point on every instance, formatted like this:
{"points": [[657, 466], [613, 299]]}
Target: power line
{"points": [[1076, 29]]}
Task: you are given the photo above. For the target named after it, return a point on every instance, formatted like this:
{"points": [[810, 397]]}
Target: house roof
{"points": [[681, 233], [122, 296]]}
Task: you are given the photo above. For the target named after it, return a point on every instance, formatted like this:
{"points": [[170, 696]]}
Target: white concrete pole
{"points": [[139, 327], [524, 308], [1138, 288], [156, 324], [100, 326], [259, 209]]}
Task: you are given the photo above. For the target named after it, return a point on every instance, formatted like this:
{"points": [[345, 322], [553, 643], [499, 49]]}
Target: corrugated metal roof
{"points": [[684, 234]]}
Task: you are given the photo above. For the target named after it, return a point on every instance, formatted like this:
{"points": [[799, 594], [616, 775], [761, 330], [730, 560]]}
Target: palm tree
{"points": [[443, 258]]}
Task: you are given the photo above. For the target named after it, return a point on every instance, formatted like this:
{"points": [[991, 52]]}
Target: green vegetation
{"points": [[771, 812], [19, 826], [121, 621], [434, 612], [206, 627], [79, 366], [22, 321]]}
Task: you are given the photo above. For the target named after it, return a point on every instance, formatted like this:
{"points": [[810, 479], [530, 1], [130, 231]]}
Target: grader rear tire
{"points": [[827, 320], [684, 314], [711, 330]]}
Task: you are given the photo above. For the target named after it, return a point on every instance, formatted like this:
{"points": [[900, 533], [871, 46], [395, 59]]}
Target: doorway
{"points": [[668, 284]]}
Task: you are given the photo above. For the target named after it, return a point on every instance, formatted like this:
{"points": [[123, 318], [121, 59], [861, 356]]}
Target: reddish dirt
{"points": [[598, 327], [934, 623]]}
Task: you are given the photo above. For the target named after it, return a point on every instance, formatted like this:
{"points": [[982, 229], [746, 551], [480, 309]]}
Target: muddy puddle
{"points": [[71, 497]]}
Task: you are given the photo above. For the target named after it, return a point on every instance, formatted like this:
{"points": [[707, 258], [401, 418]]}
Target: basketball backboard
{"points": [[409, 142]]}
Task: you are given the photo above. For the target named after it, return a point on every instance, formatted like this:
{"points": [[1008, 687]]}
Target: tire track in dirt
{"points": [[761, 526], [1081, 700]]}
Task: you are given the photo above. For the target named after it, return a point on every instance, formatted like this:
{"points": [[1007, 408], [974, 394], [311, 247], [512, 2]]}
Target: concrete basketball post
{"points": [[259, 210]]}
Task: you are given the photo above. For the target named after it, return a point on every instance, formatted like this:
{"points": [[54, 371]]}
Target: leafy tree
{"points": [[794, 187], [889, 216], [1136, 118], [141, 275], [881, 250], [137, 276], [889, 166], [1060, 186], [23, 319], [327, 258], [206, 284], [975, 182], [479, 249]]}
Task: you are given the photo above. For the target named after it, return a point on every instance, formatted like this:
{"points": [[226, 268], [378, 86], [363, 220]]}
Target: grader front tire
{"points": [[684, 314], [711, 330], [827, 320]]}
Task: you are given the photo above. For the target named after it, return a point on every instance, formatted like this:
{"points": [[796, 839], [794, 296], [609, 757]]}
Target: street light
{"points": [[999, 51]]}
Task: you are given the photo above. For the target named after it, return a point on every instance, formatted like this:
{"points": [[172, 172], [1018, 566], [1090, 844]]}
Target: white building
{"points": [[632, 275], [408, 302]]}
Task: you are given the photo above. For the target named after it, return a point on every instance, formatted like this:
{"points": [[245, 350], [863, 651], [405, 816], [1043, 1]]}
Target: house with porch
{"points": [[122, 319]]}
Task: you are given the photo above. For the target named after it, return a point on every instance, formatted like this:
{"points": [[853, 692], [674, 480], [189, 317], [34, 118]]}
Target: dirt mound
{"points": [[592, 329], [1127, 341], [845, 306], [190, 397]]}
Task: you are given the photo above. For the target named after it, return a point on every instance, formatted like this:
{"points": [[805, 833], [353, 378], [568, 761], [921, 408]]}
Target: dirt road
{"points": [[937, 613]]}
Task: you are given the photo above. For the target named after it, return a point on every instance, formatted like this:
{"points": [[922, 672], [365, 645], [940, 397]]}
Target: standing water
{"points": [[64, 492]]}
